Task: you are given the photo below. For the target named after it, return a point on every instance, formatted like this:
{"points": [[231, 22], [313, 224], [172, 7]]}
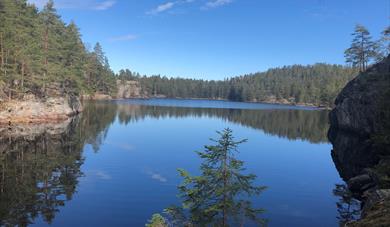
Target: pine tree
{"points": [[362, 49], [39, 51], [216, 197], [52, 39], [383, 46]]}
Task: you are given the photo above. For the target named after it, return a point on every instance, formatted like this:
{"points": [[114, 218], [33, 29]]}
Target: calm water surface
{"points": [[117, 164]]}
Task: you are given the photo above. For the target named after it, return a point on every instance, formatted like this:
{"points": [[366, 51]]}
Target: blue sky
{"points": [[214, 39]]}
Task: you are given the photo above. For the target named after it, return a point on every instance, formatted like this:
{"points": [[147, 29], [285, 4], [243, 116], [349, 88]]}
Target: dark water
{"points": [[115, 165]]}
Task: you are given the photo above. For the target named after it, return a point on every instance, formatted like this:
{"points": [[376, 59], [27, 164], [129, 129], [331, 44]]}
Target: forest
{"points": [[316, 84], [38, 51], [313, 84]]}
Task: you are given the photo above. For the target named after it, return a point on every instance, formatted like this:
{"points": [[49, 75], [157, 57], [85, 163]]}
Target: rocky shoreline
{"points": [[34, 110], [359, 133]]}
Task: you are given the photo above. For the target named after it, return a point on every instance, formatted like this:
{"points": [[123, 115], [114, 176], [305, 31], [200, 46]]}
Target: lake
{"points": [[116, 164]]}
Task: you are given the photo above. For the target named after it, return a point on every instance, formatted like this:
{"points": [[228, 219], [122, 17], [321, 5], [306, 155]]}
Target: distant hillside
{"points": [[43, 56], [316, 85]]}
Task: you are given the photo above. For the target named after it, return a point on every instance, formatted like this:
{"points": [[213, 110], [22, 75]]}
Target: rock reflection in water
{"points": [[40, 164], [39, 170]]}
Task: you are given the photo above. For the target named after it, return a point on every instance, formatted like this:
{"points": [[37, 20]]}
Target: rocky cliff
{"points": [[359, 132], [31, 109], [129, 89]]}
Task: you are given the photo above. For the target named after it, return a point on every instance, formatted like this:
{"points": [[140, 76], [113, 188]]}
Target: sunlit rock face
{"points": [[129, 89], [31, 109]]}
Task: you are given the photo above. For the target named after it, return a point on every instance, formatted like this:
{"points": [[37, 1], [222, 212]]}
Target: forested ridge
{"points": [[317, 84], [312, 84], [40, 53]]}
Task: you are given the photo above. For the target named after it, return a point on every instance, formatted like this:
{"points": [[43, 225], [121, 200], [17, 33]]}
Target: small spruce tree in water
{"points": [[218, 196]]}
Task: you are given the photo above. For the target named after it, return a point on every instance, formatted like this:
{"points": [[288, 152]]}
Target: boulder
{"points": [[361, 183]]}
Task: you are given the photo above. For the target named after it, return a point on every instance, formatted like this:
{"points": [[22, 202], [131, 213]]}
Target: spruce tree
{"points": [[157, 221], [218, 197]]}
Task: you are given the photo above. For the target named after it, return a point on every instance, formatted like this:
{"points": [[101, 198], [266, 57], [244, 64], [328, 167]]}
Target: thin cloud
{"points": [[162, 8], [104, 5], [216, 3], [156, 176], [168, 6], [98, 5], [102, 175]]}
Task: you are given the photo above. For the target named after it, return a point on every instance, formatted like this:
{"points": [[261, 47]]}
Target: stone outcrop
{"points": [[362, 113], [38, 110], [126, 89], [359, 132], [96, 96], [360, 104], [129, 89], [376, 210]]}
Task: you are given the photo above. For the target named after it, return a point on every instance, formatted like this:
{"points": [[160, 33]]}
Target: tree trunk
{"points": [[22, 80], [2, 50], [5, 76], [2, 179], [224, 211], [46, 47]]}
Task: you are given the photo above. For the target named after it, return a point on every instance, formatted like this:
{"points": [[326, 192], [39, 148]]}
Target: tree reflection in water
{"points": [[40, 164], [39, 171], [293, 124]]}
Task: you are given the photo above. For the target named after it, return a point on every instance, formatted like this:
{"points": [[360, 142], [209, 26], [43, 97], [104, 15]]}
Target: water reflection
{"points": [[348, 207], [40, 164], [293, 124], [40, 167]]}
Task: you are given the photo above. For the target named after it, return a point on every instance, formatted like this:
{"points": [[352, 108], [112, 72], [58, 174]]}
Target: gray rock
{"points": [[361, 183], [358, 116], [36, 110], [358, 106], [129, 89], [374, 197], [361, 114]]}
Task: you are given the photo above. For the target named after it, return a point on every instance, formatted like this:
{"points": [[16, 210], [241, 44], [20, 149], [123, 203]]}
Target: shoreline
{"points": [[225, 100], [32, 110], [58, 109]]}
